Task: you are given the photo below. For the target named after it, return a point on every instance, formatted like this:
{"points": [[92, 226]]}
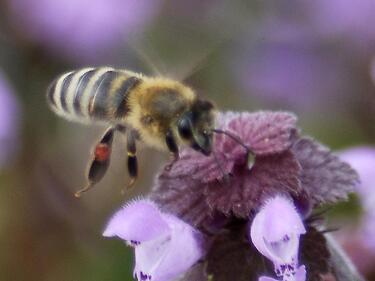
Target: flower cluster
{"points": [[239, 214]]}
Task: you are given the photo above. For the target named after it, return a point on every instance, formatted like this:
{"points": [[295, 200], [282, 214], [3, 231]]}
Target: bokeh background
{"points": [[316, 58]]}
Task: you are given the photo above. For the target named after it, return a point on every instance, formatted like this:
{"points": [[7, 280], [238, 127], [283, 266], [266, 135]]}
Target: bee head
{"points": [[195, 126]]}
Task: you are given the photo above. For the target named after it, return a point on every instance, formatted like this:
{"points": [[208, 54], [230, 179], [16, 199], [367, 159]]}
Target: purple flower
{"points": [[221, 194], [268, 135], [201, 188], [165, 246], [363, 160], [271, 185], [9, 121], [275, 232], [81, 29]]}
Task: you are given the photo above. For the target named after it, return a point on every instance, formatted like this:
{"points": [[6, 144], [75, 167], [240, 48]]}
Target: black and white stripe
{"points": [[121, 94], [77, 88], [92, 93]]}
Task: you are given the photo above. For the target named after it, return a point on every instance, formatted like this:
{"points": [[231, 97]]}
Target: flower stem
{"points": [[342, 266]]}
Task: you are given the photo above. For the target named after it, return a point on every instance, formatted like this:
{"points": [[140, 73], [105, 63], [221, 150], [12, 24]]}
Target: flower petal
{"points": [[281, 217], [137, 222], [275, 232], [169, 256], [147, 256], [265, 278], [300, 274]]}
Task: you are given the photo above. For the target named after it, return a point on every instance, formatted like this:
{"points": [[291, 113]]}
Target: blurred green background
{"points": [[311, 57]]}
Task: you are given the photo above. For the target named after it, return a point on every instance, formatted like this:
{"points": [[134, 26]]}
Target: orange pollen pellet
{"points": [[102, 152]]}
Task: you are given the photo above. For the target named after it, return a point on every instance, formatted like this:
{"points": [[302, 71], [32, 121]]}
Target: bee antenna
{"points": [[233, 137]]}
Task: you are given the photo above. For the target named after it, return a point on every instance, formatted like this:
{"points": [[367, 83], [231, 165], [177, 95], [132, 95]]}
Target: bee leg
{"points": [[100, 162], [173, 148], [132, 158]]}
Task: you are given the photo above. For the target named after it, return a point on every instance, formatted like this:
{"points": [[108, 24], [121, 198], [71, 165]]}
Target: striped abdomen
{"points": [[92, 93]]}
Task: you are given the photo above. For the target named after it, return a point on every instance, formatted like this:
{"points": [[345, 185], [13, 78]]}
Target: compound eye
{"points": [[184, 129]]}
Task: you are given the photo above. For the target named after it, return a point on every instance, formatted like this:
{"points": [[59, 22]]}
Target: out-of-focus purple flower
{"points": [[165, 246], [81, 29], [286, 68], [345, 18], [9, 121], [275, 232], [356, 246], [363, 160]]}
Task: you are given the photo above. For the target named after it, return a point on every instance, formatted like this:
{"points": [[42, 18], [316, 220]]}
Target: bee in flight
{"points": [[160, 112]]}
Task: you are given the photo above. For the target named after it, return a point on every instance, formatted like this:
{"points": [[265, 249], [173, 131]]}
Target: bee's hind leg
{"points": [[132, 158], [100, 162]]}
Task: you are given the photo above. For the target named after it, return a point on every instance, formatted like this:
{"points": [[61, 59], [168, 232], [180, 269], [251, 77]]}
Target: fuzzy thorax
{"points": [[156, 104]]}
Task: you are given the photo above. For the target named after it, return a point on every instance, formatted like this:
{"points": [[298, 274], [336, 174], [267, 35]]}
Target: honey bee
{"points": [[160, 112]]}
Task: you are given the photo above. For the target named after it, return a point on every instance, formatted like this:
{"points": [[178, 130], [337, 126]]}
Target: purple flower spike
{"points": [[275, 232], [165, 246], [234, 187]]}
